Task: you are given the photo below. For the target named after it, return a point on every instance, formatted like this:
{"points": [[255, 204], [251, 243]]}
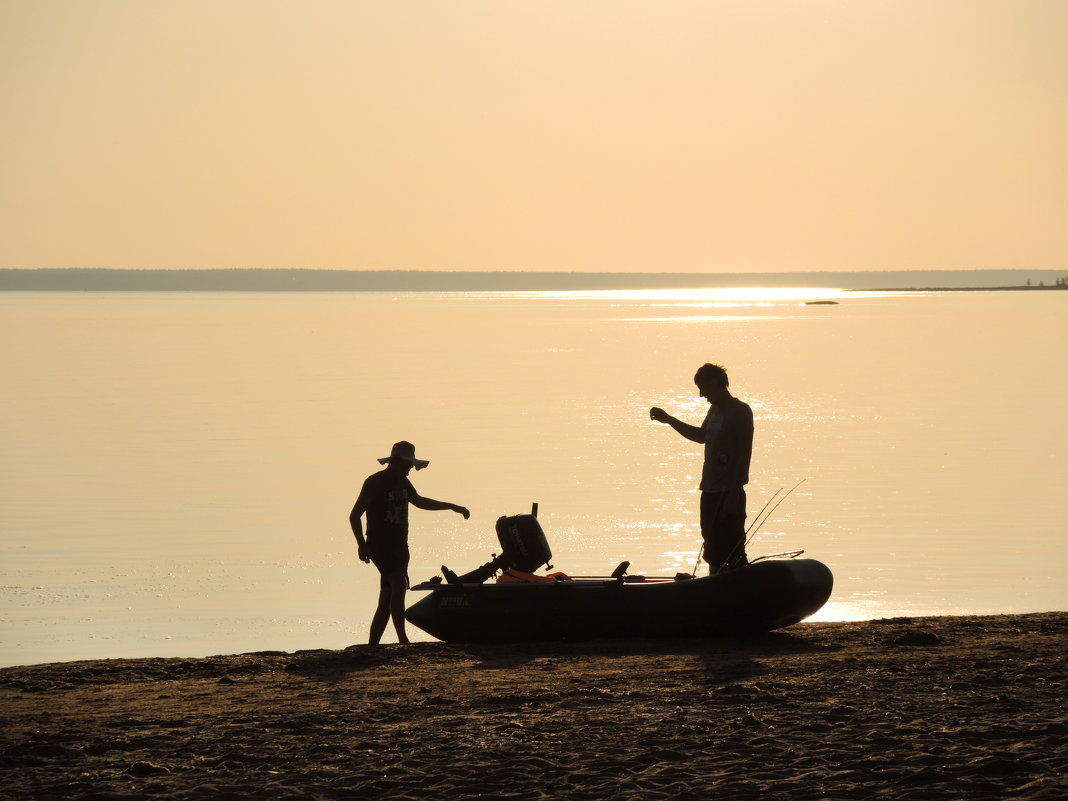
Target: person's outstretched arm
{"points": [[431, 505], [692, 433]]}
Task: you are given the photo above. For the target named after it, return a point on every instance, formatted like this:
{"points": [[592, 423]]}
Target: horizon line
{"points": [[294, 279]]}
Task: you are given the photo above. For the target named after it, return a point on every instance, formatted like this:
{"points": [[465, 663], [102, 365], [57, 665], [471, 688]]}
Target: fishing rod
{"points": [[701, 551], [756, 524], [776, 506], [773, 497]]}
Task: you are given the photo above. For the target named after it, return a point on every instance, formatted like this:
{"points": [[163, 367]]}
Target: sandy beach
{"points": [[909, 708]]}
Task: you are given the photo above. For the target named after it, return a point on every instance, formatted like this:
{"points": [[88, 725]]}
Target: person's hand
{"points": [[658, 415], [361, 552], [463, 511]]}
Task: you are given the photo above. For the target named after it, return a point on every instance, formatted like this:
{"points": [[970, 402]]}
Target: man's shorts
{"points": [[389, 558], [723, 531]]}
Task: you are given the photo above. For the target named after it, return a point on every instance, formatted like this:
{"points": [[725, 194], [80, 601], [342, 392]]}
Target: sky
{"points": [[597, 135]]}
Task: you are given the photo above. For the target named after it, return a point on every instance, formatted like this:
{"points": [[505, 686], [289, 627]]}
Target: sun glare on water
{"points": [[709, 296], [693, 298]]}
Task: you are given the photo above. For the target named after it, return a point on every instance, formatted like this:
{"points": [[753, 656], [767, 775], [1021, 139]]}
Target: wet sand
{"points": [[920, 708]]}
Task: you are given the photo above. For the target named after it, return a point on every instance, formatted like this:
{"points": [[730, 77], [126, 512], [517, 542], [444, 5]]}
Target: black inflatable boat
{"points": [[765, 595]]}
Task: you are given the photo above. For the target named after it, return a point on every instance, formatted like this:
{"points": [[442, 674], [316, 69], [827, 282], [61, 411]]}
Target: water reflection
{"points": [[203, 448], [697, 297]]}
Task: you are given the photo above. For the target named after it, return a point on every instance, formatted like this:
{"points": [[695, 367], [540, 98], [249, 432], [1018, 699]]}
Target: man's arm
{"points": [[357, 526], [419, 502], [692, 433]]}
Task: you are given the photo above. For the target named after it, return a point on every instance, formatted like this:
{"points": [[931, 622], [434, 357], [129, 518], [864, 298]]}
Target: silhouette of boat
{"points": [[767, 594]]}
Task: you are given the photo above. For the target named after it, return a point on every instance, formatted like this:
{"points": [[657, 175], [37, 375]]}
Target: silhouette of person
{"points": [[727, 434], [384, 499]]}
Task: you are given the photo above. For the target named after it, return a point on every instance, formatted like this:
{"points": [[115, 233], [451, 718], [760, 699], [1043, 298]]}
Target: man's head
{"points": [[711, 380], [403, 454], [711, 375]]}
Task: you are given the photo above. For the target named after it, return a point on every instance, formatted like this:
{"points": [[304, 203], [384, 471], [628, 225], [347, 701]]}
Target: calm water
{"points": [[177, 469]]}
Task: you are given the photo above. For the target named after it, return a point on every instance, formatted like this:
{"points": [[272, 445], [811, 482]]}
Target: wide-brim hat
{"points": [[404, 452]]}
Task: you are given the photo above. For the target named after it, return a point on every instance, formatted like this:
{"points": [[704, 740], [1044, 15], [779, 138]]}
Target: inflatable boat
{"points": [[523, 607]]}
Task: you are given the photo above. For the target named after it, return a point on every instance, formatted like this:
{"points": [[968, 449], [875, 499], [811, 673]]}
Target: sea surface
{"points": [[177, 469]]}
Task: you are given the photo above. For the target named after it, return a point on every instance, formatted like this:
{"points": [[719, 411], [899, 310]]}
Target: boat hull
{"points": [[756, 598]]}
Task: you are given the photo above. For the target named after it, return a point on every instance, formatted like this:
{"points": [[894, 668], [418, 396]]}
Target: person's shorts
{"points": [[723, 531], [390, 559]]}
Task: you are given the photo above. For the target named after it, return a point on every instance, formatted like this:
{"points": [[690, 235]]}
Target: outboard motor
{"points": [[523, 543], [523, 547]]}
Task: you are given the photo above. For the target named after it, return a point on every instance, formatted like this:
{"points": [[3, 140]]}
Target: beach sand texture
{"points": [[920, 708]]}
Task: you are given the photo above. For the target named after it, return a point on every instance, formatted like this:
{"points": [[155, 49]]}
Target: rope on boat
{"points": [[785, 555]]}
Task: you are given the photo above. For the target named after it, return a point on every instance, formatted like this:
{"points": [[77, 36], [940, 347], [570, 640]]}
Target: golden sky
{"points": [[606, 135]]}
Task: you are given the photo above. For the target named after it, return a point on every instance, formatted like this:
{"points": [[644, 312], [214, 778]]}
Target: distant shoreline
{"points": [[285, 280], [1015, 288]]}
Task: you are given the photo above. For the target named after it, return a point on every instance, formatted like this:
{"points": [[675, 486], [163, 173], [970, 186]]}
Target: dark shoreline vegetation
{"points": [[1015, 288], [298, 280]]}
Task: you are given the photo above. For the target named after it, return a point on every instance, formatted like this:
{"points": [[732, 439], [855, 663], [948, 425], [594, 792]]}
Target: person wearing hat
{"points": [[384, 499]]}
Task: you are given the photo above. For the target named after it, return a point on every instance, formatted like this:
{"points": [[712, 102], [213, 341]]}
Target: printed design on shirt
{"points": [[397, 507]]}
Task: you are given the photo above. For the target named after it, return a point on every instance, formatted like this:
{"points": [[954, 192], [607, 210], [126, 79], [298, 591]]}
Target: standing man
{"points": [[727, 434], [384, 498]]}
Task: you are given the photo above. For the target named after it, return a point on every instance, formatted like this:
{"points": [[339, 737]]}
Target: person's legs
{"points": [[391, 593], [392, 564], [378, 622], [711, 503], [723, 531], [398, 586], [733, 534]]}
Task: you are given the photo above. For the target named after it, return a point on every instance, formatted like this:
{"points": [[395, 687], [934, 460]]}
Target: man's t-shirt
{"points": [[728, 446], [387, 510]]}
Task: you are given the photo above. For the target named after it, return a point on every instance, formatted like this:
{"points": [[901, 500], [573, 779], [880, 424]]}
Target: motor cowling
{"points": [[523, 542]]}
